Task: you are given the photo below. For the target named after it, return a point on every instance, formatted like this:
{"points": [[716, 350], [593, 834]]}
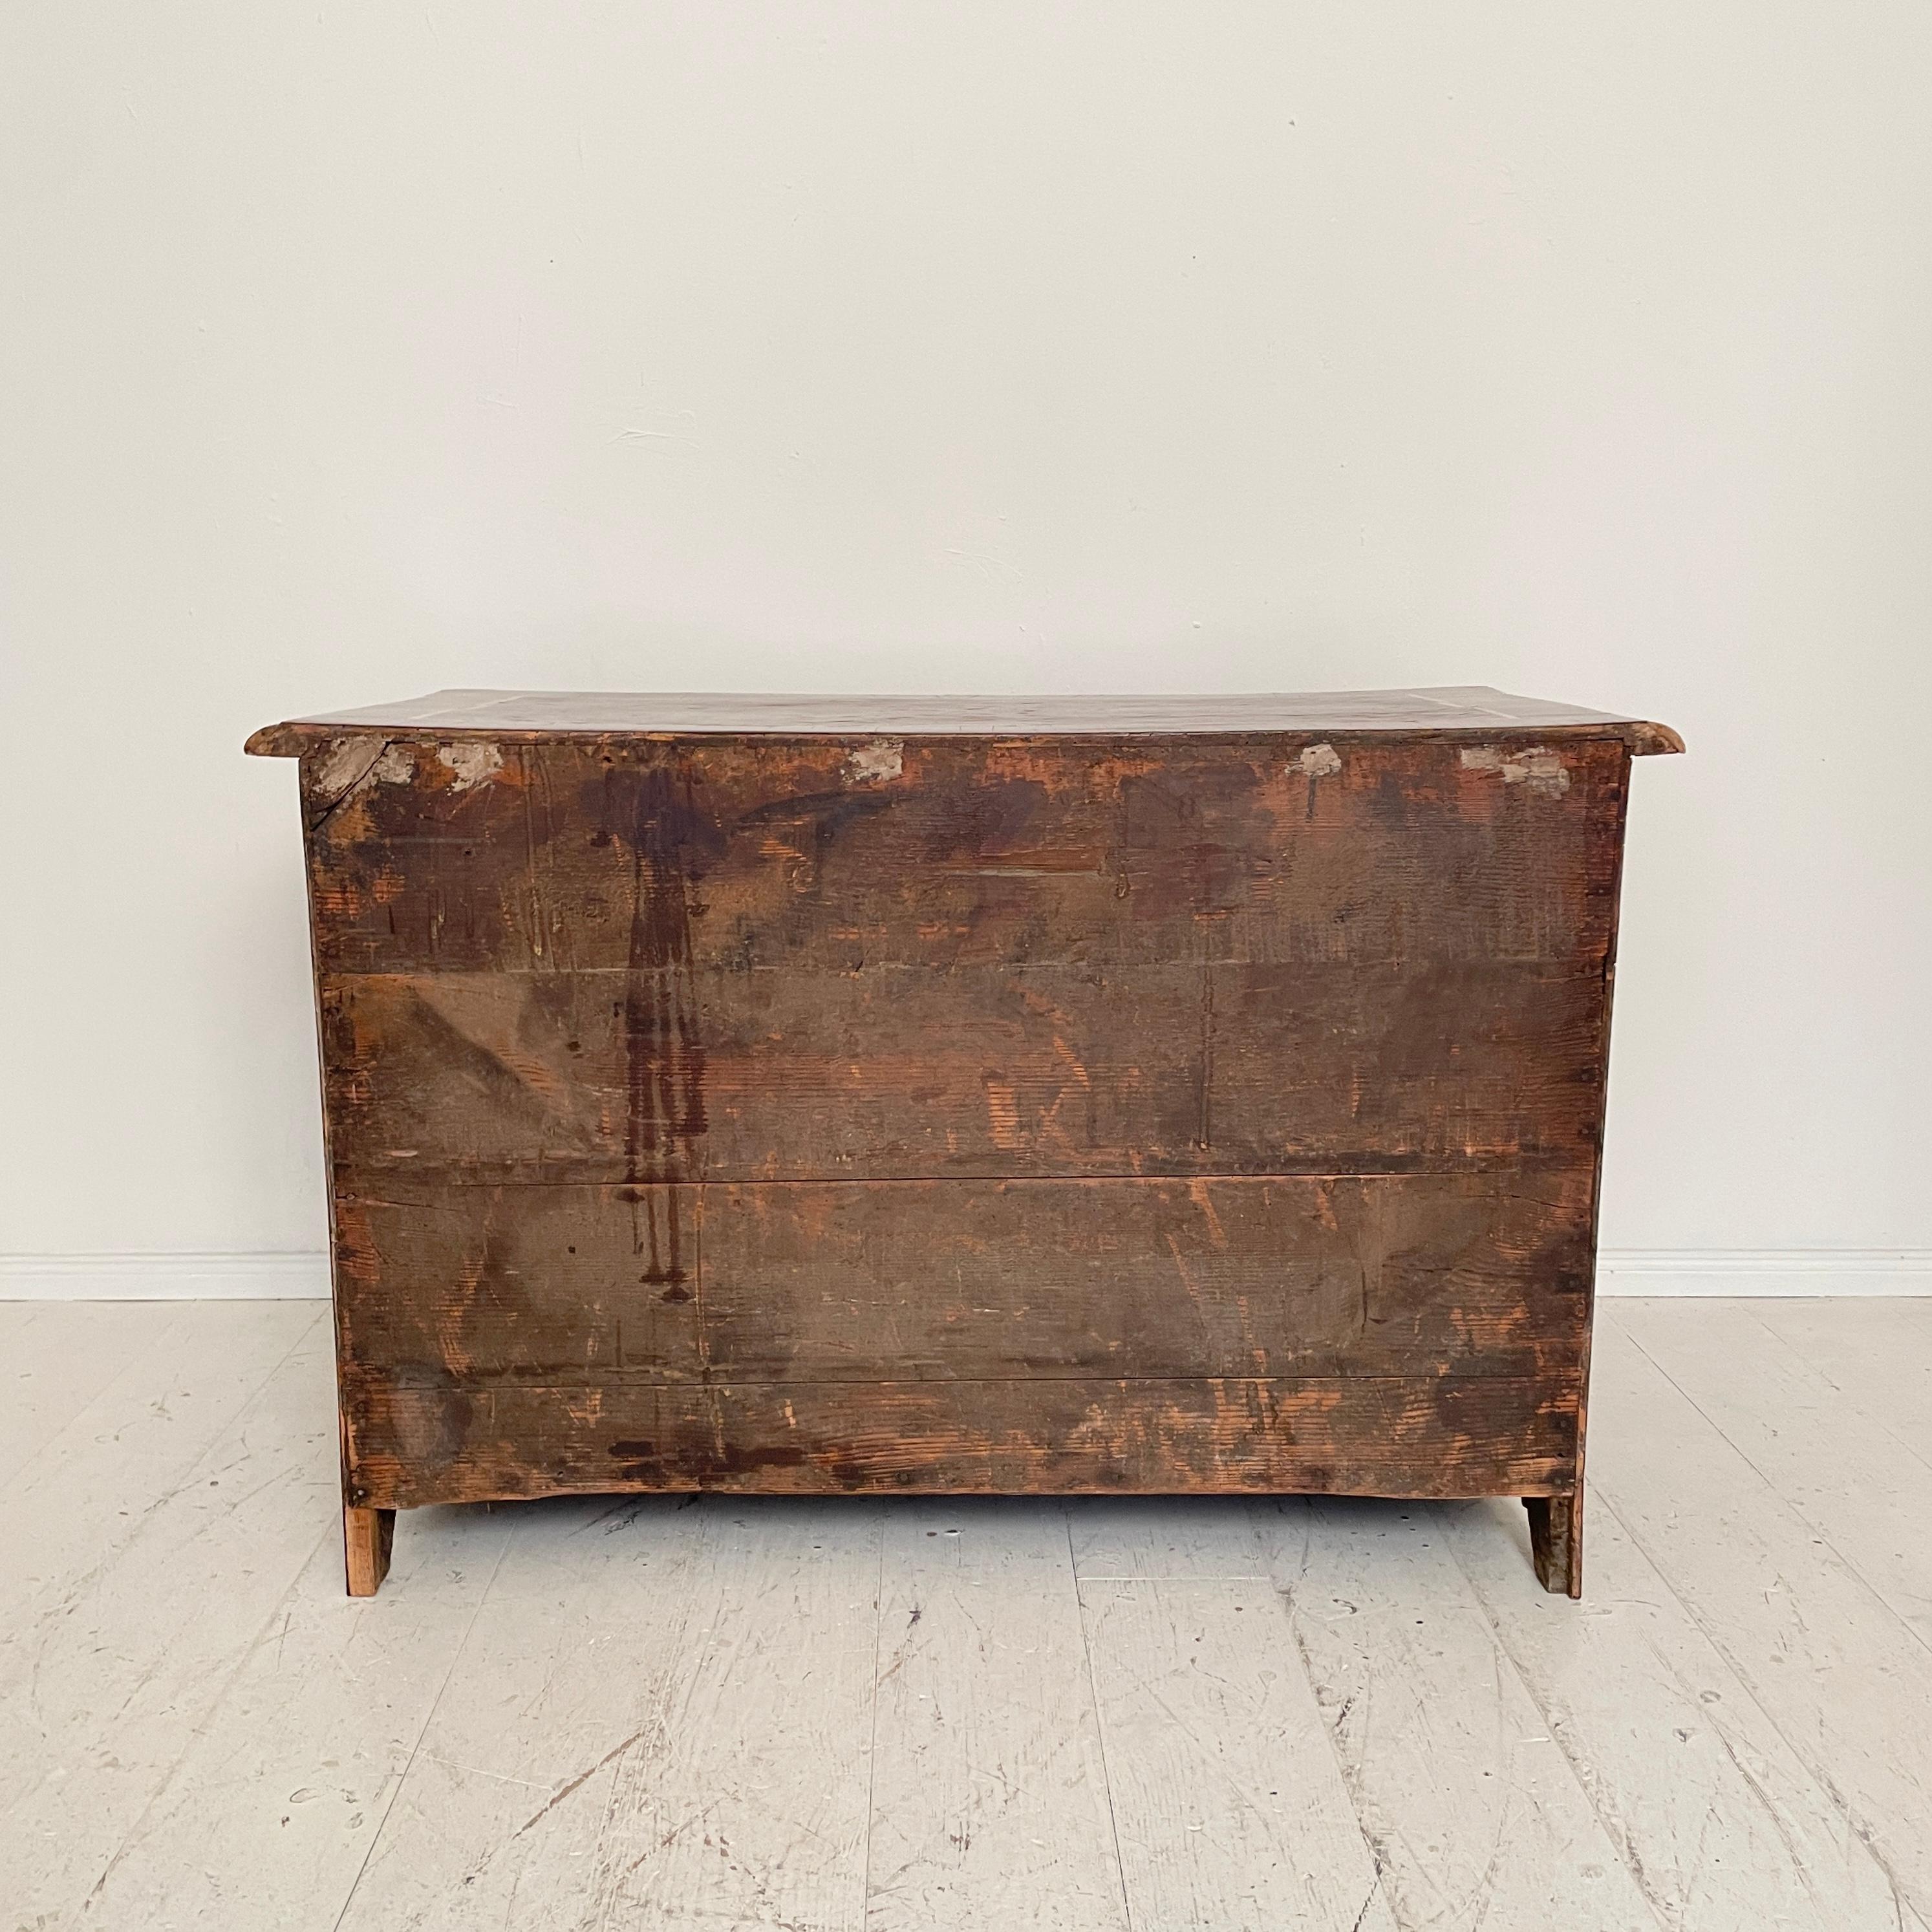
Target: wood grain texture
{"points": [[724, 857], [981, 1280], [684, 963], [548, 714], [1202, 1095], [419, 1436], [368, 1540], [1556, 1542], [981, 1072]]}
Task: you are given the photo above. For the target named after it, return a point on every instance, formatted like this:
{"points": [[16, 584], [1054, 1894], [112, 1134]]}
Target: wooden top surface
{"points": [[1472, 710]]}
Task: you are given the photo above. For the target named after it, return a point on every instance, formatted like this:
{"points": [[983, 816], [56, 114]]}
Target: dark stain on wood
{"points": [[1129, 1108], [664, 1055], [1430, 1435], [942, 1280], [1556, 1541], [653, 1465]]}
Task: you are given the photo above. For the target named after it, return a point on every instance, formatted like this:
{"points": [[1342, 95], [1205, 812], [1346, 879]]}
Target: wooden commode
{"points": [[815, 1094]]}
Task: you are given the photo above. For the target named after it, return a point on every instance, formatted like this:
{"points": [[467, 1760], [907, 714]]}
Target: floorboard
{"points": [[829, 1715], [1850, 1479], [1230, 1806], [749, 1806], [1876, 1354], [87, 1491], [1474, 1814], [58, 1356], [570, 1664], [279, 1797], [118, 1658], [1846, 1681], [990, 1804], [1715, 1816]]}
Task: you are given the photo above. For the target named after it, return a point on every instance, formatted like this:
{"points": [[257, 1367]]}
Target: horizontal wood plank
{"points": [[969, 1280], [430, 1440], [893, 1073], [560, 856]]}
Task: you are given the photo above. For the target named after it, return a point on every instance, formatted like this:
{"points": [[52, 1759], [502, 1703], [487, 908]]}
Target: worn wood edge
{"points": [[678, 1382], [379, 1186], [1556, 1524], [873, 1452], [549, 1383], [293, 737], [281, 741], [1556, 1541], [368, 1537], [366, 1180], [1647, 739], [1531, 1491]]}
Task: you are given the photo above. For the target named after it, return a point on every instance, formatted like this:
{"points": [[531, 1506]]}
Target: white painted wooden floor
{"points": [[1103, 1715]]}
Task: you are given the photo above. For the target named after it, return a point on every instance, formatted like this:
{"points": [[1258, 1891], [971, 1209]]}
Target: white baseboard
{"points": [[305, 1276], [1764, 1271], [299, 1276]]}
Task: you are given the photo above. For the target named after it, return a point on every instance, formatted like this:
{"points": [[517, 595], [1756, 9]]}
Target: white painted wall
{"points": [[346, 351]]}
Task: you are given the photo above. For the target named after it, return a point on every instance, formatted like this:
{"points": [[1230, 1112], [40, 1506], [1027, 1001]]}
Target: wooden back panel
{"points": [[1214, 1112]]}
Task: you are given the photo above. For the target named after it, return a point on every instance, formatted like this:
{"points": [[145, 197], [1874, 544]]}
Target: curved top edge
{"points": [[291, 739], [527, 716]]}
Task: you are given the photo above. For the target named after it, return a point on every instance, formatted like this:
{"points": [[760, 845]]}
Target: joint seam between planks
{"points": [[1851, 1568], [1872, 1415], [423, 1730], [1612, 1830], [1099, 1716], [1284, 1598], [1814, 1769], [872, 1729], [166, 1784], [302, 1274]]}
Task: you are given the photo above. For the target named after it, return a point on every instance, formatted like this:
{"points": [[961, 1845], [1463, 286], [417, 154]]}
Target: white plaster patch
{"points": [[346, 762], [395, 766], [473, 763], [884, 758], [1542, 771], [1320, 761]]}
